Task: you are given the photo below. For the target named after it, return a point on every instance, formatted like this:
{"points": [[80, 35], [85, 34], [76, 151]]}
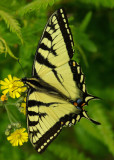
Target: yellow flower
{"points": [[23, 106], [18, 137], [12, 85], [4, 97]]}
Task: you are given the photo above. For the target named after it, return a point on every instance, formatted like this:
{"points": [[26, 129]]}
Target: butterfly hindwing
{"points": [[46, 117], [79, 79]]}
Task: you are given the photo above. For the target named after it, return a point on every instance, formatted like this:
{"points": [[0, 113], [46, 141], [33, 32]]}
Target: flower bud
{"points": [[7, 132], [9, 126], [18, 125]]}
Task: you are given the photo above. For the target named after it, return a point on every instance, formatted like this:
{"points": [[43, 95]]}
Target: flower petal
{"points": [[17, 95], [4, 87], [5, 91], [6, 80], [3, 83], [9, 138], [12, 94], [23, 89], [15, 78], [10, 77], [20, 142], [22, 129]]}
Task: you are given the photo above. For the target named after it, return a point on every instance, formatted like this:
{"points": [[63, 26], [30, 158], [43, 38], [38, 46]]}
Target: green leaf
{"points": [[86, 141], [11, 53], [98, 3], [66, 152], [105, 129], [103, 132], [85, 21], [83, 40], [78, 46], [82, 54], [90, 128], [5, 49], [12, 24], [88, 44], [3, 46], [35, 6]]}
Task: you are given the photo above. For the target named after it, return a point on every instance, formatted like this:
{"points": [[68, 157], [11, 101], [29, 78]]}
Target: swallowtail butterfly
{"points": [[56, 91]]}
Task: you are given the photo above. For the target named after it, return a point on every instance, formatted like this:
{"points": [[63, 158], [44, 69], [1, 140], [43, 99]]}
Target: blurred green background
{"points": [[92, 25]]}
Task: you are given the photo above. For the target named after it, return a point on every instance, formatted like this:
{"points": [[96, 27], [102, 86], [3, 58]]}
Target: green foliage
{"points": [[63, 151], [105, 130], [92, 27], [85, 21], [3, 46], [5, 49], [35, 6], [11, 23], [98, 3]]}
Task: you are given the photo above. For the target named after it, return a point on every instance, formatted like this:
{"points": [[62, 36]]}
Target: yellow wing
{"points": [[53, 63], [57, 82], [47, 114]]}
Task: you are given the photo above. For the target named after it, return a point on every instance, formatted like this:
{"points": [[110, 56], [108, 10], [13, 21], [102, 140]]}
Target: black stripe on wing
{"points": [[62, 22], [48, 36], [42, 143], [68, 120], [44, 61], [79, 78], [32, 113], [66, 32], [32, 103], [38, 84], [48, 137]]}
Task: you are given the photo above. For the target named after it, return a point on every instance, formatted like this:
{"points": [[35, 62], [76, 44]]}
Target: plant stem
{"points": [[10, 116], [83, 55]]}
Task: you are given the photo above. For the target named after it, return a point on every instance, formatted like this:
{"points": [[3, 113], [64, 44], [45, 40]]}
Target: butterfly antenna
{"points": [[21, 67]]}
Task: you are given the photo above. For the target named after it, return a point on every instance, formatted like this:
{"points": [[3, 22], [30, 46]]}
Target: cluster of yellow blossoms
{"points": [[13, 87]]}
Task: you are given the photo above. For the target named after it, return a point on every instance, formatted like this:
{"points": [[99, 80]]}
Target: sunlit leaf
{"points": [[11, 23], [35, 6], [85, 21], [11, 53]]}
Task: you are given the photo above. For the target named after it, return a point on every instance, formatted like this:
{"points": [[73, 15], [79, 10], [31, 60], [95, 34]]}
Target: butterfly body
{"points": [[56, 91]]}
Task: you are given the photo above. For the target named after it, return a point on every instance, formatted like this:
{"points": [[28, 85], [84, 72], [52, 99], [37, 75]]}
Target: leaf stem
{"points": [[83, 55], [10, 116]]}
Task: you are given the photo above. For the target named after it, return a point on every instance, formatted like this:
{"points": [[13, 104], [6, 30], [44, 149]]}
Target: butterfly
{"points": [[56, 91]]}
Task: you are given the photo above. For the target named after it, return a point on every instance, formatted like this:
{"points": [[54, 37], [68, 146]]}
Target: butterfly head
{"points": [[24, 80], [30, 82], [79, 104]]}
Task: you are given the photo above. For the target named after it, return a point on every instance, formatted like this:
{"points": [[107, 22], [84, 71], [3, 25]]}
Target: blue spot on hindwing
{"points": [[79, 101]]}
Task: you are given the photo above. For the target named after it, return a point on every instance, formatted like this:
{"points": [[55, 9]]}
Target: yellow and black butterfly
{"points": [[56, 91]]}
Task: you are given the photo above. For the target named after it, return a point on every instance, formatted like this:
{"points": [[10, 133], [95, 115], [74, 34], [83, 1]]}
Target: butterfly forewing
{"points": [[55, 46], [54, 52]]}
